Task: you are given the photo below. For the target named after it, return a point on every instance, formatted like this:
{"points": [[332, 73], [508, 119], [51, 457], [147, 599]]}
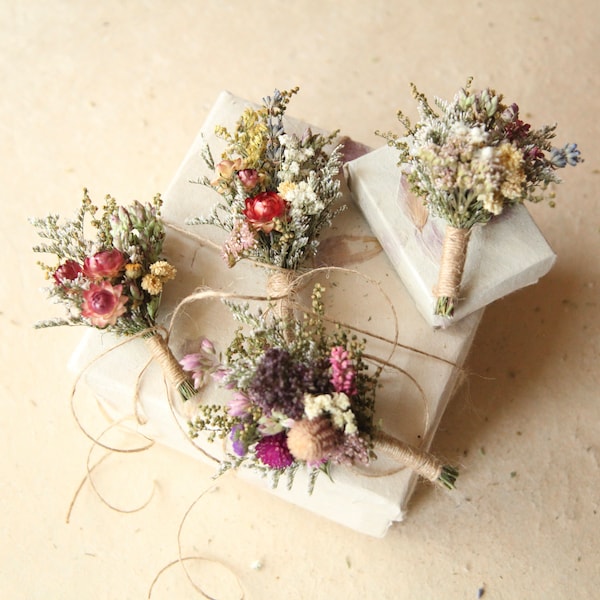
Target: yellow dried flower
{"points": [[251, 136], [133, 270], [285, 187], [510, 159], [152, 284], [163, 270]]}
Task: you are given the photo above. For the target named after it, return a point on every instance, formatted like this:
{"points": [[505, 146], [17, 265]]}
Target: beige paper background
{"points": [[110, 96]]}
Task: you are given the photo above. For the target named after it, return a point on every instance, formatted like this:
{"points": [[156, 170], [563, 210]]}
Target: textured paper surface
{"points": [[367, 502], [503, 256]]}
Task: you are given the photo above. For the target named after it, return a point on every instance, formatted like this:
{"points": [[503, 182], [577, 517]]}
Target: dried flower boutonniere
{"points": [[302, 401], [113, 281], [470, 162], [278, 190]]}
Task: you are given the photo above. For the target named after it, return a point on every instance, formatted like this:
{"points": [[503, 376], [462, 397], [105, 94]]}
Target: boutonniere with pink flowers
{"points": [[469, 162], [301, 396], [112, 280], [278, 190]]}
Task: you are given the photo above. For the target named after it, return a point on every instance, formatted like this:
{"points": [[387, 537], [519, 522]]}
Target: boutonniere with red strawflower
{"points": [[112, 280], [278, 190]]}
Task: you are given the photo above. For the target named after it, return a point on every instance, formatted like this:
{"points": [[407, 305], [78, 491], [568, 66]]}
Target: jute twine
{"points": [[161, 352], [452, 264], [421, 462], [183, 560], [283, 286]]}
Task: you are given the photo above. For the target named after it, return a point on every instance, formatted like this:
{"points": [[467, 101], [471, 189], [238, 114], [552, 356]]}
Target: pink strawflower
{"points": [[238, 405], [68, 271], [103, 303], [343, 374], [202, 364], [273, 451], [104, 265], [248, 177]]}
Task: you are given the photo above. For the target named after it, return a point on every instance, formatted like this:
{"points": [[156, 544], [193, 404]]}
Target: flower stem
{"points": [[444, 306]]}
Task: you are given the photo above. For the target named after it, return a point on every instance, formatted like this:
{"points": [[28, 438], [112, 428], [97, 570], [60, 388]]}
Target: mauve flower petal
{"points": [[105, 264], [103, 304]]}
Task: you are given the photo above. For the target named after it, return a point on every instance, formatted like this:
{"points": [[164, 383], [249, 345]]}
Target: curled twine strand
{"points": [[291, 283], [283, 284], [182, 560], [452, 263], [160, 350], [139, 419], [91, 468]]}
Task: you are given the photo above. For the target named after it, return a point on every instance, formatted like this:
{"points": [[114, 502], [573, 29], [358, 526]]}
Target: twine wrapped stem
{"points": [[282, 286], [172, 370], [419, 461], [452, 264]]}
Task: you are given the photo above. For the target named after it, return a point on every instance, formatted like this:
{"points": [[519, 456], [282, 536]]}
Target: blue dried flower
{"points": [[570, 154]]}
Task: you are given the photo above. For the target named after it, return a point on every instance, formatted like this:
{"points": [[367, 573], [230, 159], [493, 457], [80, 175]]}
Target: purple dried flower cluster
{"points": [[280, 383], [353, 450]]}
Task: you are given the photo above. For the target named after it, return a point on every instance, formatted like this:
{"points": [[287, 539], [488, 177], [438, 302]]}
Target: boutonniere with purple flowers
{"points": [[471, 161], [109, 274], [301, 396]]}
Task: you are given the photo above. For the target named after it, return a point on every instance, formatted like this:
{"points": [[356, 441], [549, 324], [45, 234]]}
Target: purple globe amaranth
{"points": [[273, 451]]}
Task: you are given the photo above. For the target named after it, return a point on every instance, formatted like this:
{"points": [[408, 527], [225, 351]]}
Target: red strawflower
{"points": [[104, 265], [68, 271], [263, 209]]}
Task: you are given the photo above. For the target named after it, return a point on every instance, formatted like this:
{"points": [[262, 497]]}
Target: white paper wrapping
{"points": [[503, 256], [365, 501]]}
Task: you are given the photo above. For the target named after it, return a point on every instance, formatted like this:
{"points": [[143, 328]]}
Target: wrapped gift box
{"points": [[366, 294], [503, 256]]}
